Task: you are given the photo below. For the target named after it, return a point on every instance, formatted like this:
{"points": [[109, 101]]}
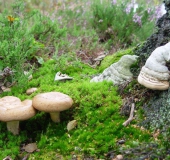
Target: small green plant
{"points": [[119, 23], [110, 59], [25, 37]]}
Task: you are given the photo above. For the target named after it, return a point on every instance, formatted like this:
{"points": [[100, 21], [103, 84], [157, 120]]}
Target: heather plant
{"points": [[121, 22], [26, 38], [82, 38], [16, 42]]}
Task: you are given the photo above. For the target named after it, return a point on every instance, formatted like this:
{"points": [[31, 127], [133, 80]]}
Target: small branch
{"points": [[131, 115]]}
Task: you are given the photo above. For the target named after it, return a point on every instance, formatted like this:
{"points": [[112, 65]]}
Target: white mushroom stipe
{"points": [[13, 126], [55, 116]]}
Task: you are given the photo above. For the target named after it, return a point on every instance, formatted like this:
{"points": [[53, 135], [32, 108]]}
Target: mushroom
{"points": [[31, 90], [12, 110], [53, 103]]}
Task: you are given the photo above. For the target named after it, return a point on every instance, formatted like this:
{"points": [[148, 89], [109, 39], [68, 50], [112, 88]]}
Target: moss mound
{"points": [[96, 108]]}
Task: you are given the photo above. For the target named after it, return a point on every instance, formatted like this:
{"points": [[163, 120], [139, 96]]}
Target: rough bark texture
{"points": [[157, 110], [159, 38]]}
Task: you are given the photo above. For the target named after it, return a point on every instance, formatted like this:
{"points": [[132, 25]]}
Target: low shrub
{"points": [[122, 23]]}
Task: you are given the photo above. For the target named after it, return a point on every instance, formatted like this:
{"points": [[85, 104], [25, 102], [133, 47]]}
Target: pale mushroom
{"points": [[31, 90], [9, 100], [12, 110], [53, 103]]}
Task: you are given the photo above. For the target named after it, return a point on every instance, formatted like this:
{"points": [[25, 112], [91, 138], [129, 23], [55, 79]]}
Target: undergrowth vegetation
{"points": [[67, 37], [96, 108], [88, 29]]}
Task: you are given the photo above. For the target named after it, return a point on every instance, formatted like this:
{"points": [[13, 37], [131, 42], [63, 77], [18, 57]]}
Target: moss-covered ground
{"points": [[96, 108], [44, 37]]}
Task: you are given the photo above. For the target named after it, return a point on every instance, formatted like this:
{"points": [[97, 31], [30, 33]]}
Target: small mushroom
{"points": [[30, 91], [12, 110], [53, 103], [119, 157]]}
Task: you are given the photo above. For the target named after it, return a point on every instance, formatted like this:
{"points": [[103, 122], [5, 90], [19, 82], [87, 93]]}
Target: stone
{"points": [[7, 158], [118, 157], [5, 89], [118, 72], [31, 147]]}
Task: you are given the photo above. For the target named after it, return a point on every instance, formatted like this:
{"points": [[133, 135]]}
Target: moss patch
{"points": [[110, 59], [96, 108]]}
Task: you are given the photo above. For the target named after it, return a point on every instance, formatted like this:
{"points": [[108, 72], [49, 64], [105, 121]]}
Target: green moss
{"points": [[9, 144], [96, 108], [110, 59]]}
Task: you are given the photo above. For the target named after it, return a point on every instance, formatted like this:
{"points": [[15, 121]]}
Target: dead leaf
{"points": [[31, 147], [72, 124]]}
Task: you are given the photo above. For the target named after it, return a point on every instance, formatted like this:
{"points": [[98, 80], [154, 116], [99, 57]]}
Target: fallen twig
{"points": [[131, 115]]}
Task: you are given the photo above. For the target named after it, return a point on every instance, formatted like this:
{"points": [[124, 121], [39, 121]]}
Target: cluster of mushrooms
{"points": [[13, 110]]}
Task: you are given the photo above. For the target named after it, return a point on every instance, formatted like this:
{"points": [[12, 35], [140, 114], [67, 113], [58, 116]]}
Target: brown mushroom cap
{"points": [[15, 110], [7, 100], [31, 90], [52, 102]]}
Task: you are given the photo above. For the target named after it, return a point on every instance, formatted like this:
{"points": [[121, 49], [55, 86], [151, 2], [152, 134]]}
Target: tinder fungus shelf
{"points": [[155, 74], [53, 103]]}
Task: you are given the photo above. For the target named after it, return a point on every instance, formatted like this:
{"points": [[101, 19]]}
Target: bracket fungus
{"points": [[118, 72], [13, 110], [53, 103], [155, 74]]}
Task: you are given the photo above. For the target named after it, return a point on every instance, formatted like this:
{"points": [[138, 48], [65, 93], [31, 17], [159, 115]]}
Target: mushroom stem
{"points": [[55, 116], [13, 126]]}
